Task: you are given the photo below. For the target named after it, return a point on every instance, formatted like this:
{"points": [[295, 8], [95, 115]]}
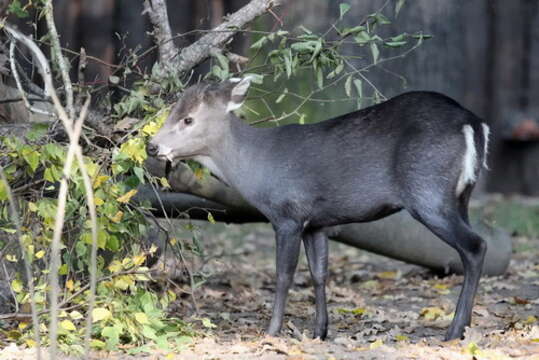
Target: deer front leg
{"points": [[288, 238]]}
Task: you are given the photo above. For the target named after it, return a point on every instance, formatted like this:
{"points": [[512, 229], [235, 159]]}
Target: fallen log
{"points": [[398, 236]]}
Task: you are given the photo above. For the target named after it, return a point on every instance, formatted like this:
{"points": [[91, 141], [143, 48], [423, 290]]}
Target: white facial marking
{"points": [[165, 151], [469, 161], [233, 106], [486, 133]]}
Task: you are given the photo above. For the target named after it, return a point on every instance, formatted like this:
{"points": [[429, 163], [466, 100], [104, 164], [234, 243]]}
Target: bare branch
{"points": [[18, 82], [197, 52], [56, 50], [157, 11]]}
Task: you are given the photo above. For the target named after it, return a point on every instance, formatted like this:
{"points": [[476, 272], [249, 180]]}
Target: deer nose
{"points": [[152, 149]]}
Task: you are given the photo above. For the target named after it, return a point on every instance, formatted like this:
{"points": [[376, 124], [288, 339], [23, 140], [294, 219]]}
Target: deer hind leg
{"points": [[316, 249], [450, 225]]}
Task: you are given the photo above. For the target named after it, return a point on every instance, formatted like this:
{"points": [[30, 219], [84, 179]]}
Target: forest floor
{"points": [[378, 308]]}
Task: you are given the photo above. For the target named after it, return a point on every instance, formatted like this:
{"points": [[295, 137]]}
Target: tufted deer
{"points": [[420, 151]]}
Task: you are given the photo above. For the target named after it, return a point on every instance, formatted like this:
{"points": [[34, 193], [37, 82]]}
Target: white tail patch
{"points": [[469, 161], [486, 133]]}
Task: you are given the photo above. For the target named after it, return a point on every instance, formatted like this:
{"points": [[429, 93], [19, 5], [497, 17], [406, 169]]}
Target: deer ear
{"points": [[238, 92]]}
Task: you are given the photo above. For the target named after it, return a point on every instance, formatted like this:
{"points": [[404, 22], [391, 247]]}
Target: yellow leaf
{"points": [[40, 254], [173, 241], [370, 284], [141, 318], [388, 275], [23, 325], [100, 180], [118, 217], [98, 201], [67, 325], [70, 285], [75, 315], [139, 259], [164, 182], [122, 283], [472, 348], [99, 314], [124, 199], [16, 286], [97, 344], [402, 338], [115, 266], [356, 311], [199, 173], [432, 313], [11, 258], [153, 249], [376, 344], [30, 343], [530, 320], [32, 206], [442, 289], [135, 149]]}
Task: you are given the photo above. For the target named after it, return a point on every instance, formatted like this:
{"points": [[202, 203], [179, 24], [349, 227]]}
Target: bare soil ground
{"points": [[379, 308]]}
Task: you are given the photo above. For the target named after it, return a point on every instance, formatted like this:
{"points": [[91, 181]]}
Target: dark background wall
{"points": [[484, 53]]}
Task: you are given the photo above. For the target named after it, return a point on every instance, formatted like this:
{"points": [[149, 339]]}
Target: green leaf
{"points": [[375, 52], [54, 151], [259, 43], [37, 131], [344, 7], [149, 332], [395, 44], [31, 157], [63, 270], [353, 30], [305, 30], [362, 38], [381, 19], [287, 55], [17, 9], [255, 78], [223, 61], [398, 7], [320, 78], [3, 191], [52, 174], [112, 335], [280, 98], [348, 86], [359, 87], [99, 314], [67, 325], [16, 286], [207, 323], [141, 318]]}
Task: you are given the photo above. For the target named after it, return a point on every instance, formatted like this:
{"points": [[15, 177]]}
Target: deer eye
{"points": [[188, 120]]}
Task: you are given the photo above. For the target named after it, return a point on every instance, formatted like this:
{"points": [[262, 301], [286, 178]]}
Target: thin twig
{"points": [[56, 51], [27, 266], [19, 84]]}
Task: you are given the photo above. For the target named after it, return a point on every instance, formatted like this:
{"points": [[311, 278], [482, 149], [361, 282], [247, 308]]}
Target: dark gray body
{"points": [[358, 167], [419, 151]]}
